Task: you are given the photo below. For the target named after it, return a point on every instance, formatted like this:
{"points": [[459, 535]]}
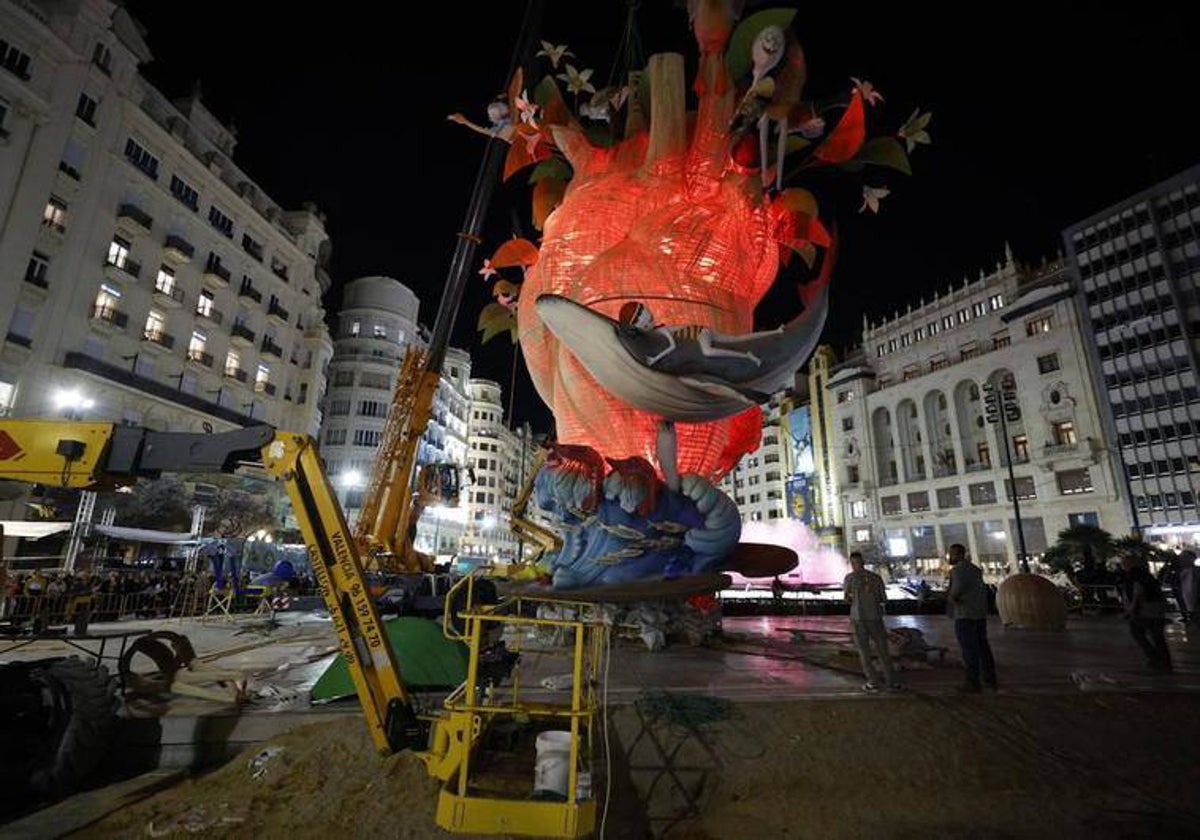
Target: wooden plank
{"points": [[83, 809]]}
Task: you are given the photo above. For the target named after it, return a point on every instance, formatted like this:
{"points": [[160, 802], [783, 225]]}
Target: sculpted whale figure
{"points": [[687, 374]]}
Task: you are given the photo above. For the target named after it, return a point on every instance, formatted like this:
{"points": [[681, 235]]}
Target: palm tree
{"points": [[1092, 546]]}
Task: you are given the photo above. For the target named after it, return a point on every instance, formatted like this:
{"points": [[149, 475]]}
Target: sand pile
{"points": [[319, 780]]}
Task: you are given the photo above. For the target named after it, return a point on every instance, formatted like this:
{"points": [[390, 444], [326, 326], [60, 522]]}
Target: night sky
{"points": [[1043, 114]]}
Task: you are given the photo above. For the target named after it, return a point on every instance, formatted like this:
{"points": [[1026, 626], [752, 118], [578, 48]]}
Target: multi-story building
{"points": [[1139, 296], [918, 464], [501, 460], [144, 277], [378, 322], [757, 483], [826, 491]]}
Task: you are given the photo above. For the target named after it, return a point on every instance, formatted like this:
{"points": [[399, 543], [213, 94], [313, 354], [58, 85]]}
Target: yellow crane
{"points": [[98, 455]]}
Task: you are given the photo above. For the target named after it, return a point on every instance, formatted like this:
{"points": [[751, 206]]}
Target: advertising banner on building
{"points": [[800, 498], [801, 503]]}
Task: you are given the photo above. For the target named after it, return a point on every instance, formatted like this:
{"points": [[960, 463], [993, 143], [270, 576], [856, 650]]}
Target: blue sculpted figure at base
{"points": [[619, 522]]}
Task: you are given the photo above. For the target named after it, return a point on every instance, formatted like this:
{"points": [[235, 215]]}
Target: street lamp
{"points": [[350, 479], [72, 402]]}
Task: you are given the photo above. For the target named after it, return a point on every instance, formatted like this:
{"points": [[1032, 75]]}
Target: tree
{"points": [[1089, 547], [238, 509], [162, 505]]}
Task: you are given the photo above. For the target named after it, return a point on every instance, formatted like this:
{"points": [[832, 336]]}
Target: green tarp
{"points": [[427, 659]]}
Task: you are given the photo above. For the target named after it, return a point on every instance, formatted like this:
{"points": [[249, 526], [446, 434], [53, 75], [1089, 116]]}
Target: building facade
{"points": [[501, 460], [826, 490], [1139, 296], [378, 323], [144, 277], [920, 467], [758, 482]]}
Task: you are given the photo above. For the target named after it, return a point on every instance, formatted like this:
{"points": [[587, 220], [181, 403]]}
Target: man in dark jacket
{"points": [[967, 603], [1146, 611]]}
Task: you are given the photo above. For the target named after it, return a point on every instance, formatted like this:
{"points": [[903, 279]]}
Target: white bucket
{"points": [[553, 767]]}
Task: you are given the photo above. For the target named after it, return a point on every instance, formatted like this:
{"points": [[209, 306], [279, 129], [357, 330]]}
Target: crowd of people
{"points": [[118, 594]]}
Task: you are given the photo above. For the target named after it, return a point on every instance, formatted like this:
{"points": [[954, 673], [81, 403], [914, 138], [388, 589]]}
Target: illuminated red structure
{"points": [[664, 218]]}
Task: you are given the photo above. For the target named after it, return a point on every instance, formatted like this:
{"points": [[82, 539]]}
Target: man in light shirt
{"points": [[867, 596], [968, 605]]}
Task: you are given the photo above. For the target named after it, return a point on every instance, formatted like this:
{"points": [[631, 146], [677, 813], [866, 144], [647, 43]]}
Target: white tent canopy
{"points": [[34, 530], [145, 535]]}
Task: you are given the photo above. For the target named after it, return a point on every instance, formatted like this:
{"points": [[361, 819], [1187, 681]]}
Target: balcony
{"points": [[178, 250], [271, 348], [37, 279], [237, 374], [200, 357], [19, 340], [242, 334], [134, 219], [248, 291], [159, 339], [1054, 450], [69, 170], [254, 249], [124, 272], [274, 310], [279, 269], [267, 388], [168, 295], [217, 273], [81, 361], [105, 314], [213, 316]]}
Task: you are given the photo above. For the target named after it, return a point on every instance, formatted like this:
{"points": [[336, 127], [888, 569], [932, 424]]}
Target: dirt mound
{"points": [[1071, 766], [313, 781]]}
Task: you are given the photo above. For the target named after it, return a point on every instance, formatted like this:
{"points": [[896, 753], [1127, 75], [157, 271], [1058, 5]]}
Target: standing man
{"points": [[867, 596], [967, 603], [1146, 611]]}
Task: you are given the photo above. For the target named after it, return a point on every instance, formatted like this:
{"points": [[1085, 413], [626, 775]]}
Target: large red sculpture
{"points": [[662, 218]]}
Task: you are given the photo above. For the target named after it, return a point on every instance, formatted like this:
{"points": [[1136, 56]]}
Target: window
{"points": [[845, 396], [355, 327], [252, 246], [204, 303], [233, 363], [220, 221], [880, 350], [983, 493], [858, 509], [949, 497], [919, 334], [106, 302], [985, 455], [20, 327], [102, 58], [979, 309], [262, 377], [185, 192], [366, 437], [847, 424], [381, 381], [339, 408], [14, 60], [165, 281], [139, 156], [86, 109], [8, 393], [335, 437], [1048, 363], [35, 272], [1020, 448], [918, 502], [118, 252], [3, 116], [933, 328], [379, 331], [1083, 518], [1071, 482], [343, 378], [969, 350], [196, 346], [1001, 339], [889, 505], [862, 535], [852, 474], [1041, 324], [996, 302], [156, 326], [55, 214], [1025, 488], [372, 408], [1064, 433], [963, 315]]}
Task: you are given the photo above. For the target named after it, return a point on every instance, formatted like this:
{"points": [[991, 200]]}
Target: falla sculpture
{"points": [[662, 228]]}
